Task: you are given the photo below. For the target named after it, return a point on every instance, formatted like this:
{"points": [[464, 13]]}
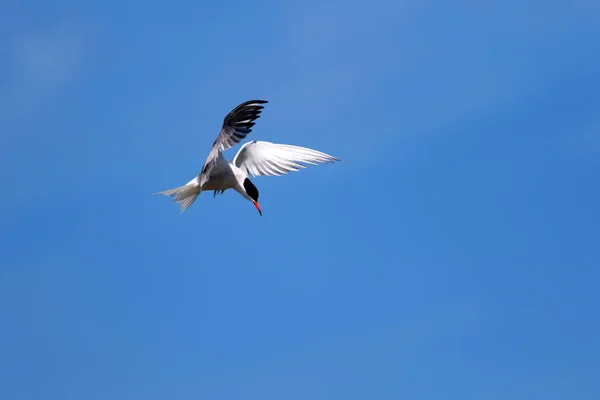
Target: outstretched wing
{"points": [[236, 126], [272, 159]]}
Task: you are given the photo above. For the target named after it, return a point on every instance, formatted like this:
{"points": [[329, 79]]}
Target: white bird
{"points": [[256, 158]]}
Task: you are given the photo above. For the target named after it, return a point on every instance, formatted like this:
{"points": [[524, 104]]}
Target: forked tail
{"points": [[184, 195]]}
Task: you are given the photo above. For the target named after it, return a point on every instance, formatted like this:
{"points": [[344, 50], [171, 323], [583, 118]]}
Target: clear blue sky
{"points": [[453, 253]]}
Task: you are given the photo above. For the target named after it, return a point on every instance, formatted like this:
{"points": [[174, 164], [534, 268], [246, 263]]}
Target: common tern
{"points": [[256, 158]]}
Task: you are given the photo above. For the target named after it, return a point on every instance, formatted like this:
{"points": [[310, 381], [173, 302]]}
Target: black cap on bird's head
{"points": [[252, 191]]}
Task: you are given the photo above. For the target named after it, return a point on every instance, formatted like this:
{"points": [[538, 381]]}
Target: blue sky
{"points": [[452, 253]]}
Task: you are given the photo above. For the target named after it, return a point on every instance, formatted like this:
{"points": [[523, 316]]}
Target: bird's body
{"points": [[256, 158], [222, 177]]}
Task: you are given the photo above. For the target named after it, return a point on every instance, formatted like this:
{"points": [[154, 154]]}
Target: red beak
{"points": [[257, 207]]}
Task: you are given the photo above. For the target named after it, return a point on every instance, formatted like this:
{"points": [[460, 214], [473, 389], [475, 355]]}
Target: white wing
{"points": [[266, 158]]}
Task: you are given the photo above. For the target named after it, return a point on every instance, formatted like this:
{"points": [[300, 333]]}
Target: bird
{"points": [[256, 158]]}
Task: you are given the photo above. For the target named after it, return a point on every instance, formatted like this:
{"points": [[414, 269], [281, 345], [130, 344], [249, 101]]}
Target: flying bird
{"points": [[255, 157]]}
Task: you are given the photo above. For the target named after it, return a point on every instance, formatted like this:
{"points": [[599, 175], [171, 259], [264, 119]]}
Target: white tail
{"points": [[184, 195]]}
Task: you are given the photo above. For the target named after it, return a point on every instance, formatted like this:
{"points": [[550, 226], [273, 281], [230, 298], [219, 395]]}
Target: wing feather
{"points": [[272, 159], [236, 126]]}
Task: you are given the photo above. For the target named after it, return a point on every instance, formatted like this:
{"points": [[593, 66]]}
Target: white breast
{"points": [[221, 176]]}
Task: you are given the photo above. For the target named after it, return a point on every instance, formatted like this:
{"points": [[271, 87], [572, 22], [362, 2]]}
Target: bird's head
{"points": [[252, 193]]}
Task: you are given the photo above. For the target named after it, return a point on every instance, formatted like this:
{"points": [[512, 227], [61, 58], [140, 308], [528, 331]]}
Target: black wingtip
{"points": [[248, 102]]}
